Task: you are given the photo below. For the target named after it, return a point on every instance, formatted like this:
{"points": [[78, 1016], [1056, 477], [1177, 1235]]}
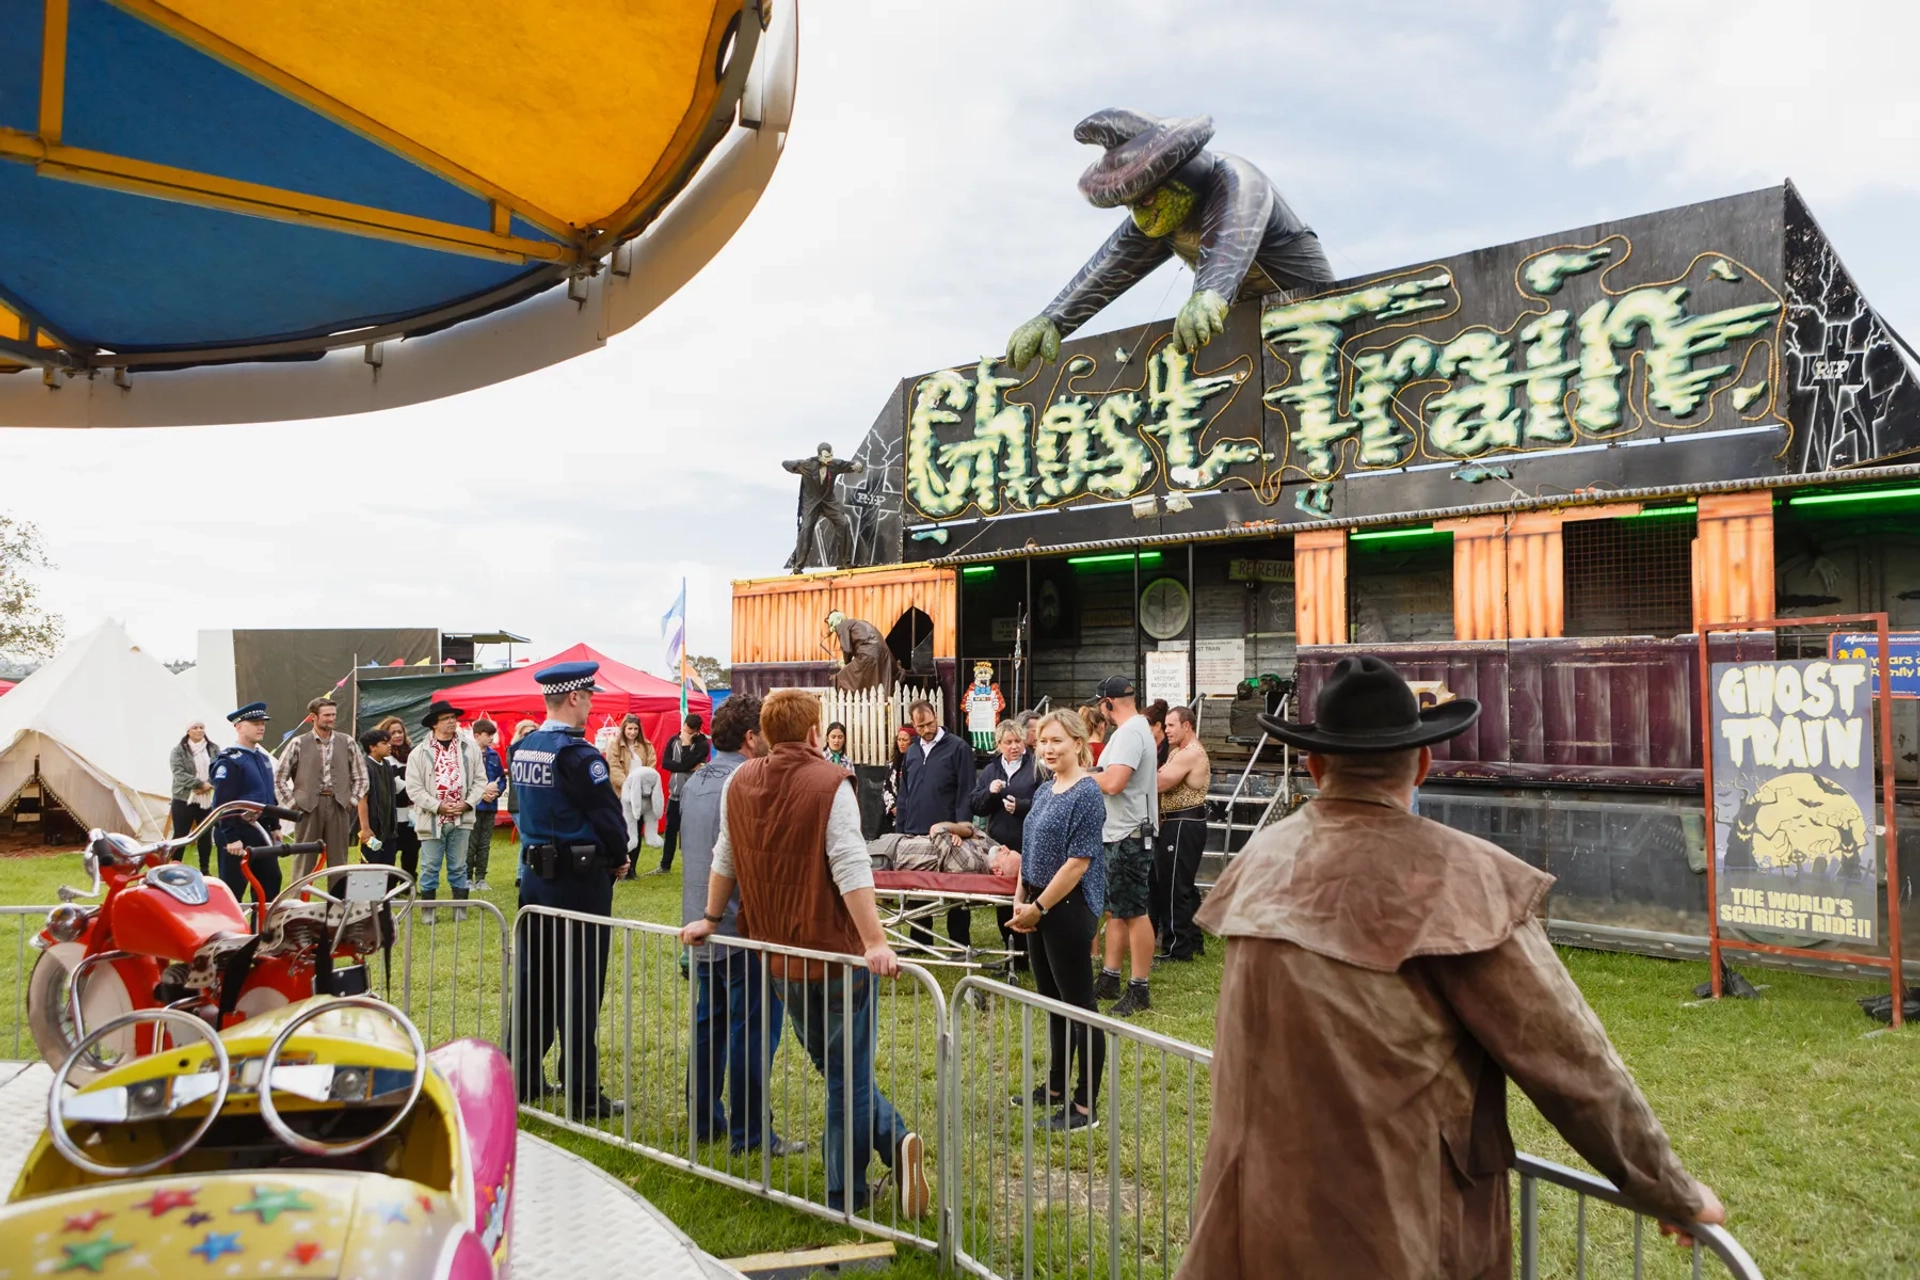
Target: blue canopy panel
{"points": [[136, 91], [131, 273], [19, 65]]}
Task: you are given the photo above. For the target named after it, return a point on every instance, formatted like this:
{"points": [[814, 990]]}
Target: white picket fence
{"points": [[872, 715]]}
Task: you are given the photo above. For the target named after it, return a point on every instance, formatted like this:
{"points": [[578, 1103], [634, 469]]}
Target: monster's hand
{"points": [[1201, 320], [1037, 337]]}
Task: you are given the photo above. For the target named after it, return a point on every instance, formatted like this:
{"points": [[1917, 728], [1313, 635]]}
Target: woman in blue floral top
{"points": [[1063, 889]]}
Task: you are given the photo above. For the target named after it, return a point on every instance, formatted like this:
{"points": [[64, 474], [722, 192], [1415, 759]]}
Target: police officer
{"points": [[245, 772], [573, 842]]}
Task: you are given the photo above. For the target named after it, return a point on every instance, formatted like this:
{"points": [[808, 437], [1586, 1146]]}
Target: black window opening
{"points": [[1629, 576], [1400, 586]]}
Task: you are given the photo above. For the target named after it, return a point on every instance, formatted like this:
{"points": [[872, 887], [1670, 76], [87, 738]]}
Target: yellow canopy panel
{"points": [[570, 109]]}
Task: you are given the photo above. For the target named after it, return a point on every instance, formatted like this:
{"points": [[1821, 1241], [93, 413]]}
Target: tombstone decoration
{"points": [[821, 509], [866, 661], [1222, 216]]}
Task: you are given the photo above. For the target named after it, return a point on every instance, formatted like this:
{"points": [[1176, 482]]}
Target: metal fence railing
{"points": [[451, 977], [1013, 1194], [658, 1052], [1597, 1248], [1030, 1195]]}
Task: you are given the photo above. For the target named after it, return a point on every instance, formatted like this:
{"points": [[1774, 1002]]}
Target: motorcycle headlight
{"points": [[67, 922]]}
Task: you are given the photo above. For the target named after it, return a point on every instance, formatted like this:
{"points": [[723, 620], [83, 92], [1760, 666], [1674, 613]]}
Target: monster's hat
{"points": [[1143, 151]]}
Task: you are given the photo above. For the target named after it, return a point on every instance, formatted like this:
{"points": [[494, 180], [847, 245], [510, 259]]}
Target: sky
{"points": [[925, 206]]}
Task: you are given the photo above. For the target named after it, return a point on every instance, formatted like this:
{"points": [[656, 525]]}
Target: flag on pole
{"points": [[673, 625]]}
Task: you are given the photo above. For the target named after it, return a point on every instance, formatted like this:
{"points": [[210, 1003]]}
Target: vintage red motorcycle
{"points": [[165, 936]]}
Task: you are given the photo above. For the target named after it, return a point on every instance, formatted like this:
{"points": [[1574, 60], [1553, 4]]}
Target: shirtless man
{"points": [[1183, 782]]}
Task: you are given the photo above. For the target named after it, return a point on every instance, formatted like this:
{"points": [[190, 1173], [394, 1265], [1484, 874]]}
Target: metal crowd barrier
{"points": [[1013, 1195], [453, 978], [1587, 1187], [1031, 1197], [650, 1015]]}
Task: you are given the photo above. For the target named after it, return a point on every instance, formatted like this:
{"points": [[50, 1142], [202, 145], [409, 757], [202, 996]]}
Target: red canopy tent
{"points": [[514, 695]]}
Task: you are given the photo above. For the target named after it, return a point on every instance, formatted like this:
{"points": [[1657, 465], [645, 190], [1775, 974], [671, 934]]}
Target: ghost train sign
{"points": [[1793, 785], [1544, 365]]}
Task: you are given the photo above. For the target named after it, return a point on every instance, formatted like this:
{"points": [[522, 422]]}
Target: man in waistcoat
{"points": [[790, 838], [324, 775]]}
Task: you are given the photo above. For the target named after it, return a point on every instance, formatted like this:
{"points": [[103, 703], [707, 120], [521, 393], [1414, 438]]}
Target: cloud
{"points": [[1744, 96], [925, 206]]}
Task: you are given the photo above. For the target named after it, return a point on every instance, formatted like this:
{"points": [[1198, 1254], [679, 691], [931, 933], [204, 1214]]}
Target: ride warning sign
{"points": [[1792, 794]]}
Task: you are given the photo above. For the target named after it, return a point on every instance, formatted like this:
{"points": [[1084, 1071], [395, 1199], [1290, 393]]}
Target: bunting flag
{"points": [[673, 625]]}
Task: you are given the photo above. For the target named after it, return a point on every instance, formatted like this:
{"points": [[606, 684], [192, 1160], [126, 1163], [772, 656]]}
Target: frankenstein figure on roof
{"points": [[1223, 217]]}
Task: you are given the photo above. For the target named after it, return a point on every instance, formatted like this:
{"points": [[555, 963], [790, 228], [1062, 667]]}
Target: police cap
{"points": [[566, 677], [252, 711]]}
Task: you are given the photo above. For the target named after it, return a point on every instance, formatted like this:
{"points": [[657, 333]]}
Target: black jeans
{"points": [[672, 836], [1061, 970], [1175, 897], [187, 815]]}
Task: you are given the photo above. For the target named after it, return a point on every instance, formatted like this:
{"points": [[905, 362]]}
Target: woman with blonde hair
{"points": [[643, 800], [623, 753], [1063, 889]]}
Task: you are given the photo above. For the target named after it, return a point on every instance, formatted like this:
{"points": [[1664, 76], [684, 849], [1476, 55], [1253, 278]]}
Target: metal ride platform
{"points": [[570, 1218]]}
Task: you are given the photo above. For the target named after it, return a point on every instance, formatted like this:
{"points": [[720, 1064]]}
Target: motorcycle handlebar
{"points": [[274, 813], [287, 850]]}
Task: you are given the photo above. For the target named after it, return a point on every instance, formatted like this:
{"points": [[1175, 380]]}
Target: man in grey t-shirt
{"points": [[1128, 779]]}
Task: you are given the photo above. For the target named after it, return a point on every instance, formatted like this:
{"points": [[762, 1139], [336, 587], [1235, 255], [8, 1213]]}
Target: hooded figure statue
{"points": [[1220, 214]]}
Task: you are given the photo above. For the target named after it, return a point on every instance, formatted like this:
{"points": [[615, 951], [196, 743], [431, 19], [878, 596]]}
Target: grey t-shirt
{"points": [[1139, 801]]}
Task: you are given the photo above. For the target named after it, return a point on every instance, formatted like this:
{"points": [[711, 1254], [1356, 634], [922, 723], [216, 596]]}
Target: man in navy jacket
{"points": [[938, 788]]}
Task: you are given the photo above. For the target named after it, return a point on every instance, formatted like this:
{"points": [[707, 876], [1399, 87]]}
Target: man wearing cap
{"points": [[573, 842], [1222, 216], [245, 772], [1386, 977], [1128, 776]]}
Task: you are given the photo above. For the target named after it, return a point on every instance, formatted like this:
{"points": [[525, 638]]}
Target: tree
{"points": [[711, 673], [25, 630]]}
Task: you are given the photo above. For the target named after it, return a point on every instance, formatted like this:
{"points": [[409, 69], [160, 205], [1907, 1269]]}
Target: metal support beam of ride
{"points": [[542, 331]]}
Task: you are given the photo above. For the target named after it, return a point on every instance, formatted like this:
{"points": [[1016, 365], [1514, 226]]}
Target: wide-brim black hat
{"points": [[435, 712], [1143, 151], [1366, 707]]}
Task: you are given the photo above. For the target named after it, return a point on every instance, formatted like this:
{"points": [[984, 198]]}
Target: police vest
{"points": [[546, 815]]}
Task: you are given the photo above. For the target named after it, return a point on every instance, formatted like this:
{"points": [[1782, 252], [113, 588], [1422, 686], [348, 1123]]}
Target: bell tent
{"points": [[95, 727]]}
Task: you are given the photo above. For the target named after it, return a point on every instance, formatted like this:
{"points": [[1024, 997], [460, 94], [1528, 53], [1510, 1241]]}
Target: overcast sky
{"points": [[925, 206]]}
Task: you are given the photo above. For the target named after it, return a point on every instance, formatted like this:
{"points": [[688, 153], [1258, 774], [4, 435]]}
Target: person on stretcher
{"points": [[955, 848]]}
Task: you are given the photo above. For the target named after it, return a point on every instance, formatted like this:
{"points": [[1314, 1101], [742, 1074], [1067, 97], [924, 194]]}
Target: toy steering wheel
{"points": [[403, 884], [314, 1146], [154, 1095]]}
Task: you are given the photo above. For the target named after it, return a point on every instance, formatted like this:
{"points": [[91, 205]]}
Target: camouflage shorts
{"points": [[1129, 870]]}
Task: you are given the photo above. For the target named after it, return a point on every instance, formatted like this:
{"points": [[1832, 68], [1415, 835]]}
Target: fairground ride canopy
{"points": [[214, 211]]}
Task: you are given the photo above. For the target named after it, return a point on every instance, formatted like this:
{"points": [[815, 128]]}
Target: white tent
{"points": [[101, 719]]}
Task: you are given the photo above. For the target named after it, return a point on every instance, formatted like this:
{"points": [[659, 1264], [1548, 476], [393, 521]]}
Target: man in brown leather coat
{"points": [[1386, 977]]}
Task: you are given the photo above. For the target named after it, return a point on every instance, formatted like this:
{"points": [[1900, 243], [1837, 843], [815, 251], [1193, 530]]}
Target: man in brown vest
{"points": [[323, 773], [1386, 976], [790, 835]]}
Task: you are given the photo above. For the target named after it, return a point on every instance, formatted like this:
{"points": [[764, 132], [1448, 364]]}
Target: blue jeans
{"points": [[450, 847], [819, 1011], [727, 1035]]}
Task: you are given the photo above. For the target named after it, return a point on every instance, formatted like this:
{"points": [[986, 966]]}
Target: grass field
{"points": [[1800, 1112]]}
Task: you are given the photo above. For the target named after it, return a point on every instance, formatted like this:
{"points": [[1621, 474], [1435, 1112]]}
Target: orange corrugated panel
{"points": [[1733, 558], [1320, 601]]}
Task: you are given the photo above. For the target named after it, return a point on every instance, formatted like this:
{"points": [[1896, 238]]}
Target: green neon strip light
{"points": [[976, 571], [1688, 510], [1124, 557], [1371, 535], [1822, 499]]}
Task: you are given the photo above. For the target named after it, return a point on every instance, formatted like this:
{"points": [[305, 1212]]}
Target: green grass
{"points": [[1803, 1119]]}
